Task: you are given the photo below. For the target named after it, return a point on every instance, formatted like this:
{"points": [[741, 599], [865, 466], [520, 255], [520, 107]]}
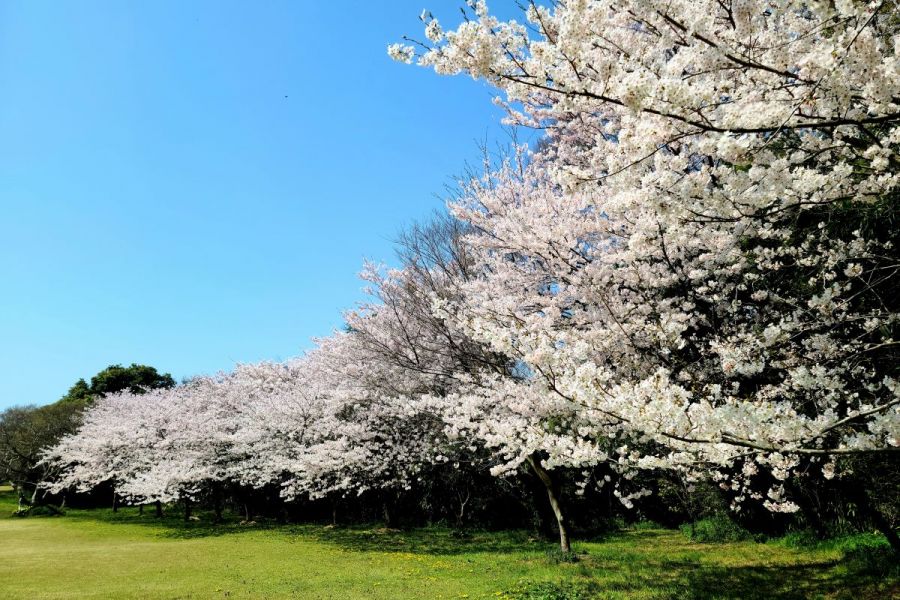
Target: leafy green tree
{"points": [[79, 394], [25, 431], [136, 379]]}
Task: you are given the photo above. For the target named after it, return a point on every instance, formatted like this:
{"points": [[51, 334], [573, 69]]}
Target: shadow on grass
{"points": [[794, 582], [428, 540], [172, 524], [364, 538], [690, 580]]}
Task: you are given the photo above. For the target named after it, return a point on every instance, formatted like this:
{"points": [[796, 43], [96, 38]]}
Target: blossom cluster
{"points": [[700, 254]]}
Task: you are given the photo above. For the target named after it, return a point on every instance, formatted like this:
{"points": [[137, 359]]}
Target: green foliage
{"points": [[116, 378], [136, 379], [718, 528], [24, 432], [805, 539], [800, 539], [79, 394]]}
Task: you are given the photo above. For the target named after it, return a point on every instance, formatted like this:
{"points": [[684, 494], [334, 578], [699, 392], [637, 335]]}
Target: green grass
{"points": [[98, 554]]}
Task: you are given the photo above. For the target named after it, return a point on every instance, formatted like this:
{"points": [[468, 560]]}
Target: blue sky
{"points": [[194, 184]]}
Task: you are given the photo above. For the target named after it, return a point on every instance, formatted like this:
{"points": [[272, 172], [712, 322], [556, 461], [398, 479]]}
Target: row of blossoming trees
{"points": [[696, 272]]}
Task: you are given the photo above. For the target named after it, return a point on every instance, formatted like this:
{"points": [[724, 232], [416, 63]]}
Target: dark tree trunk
{"points": [[140, 509], [159, 511], [187, 510], [218, 499], [115, 502], [247, 496], [552, 494], [388, 515]]}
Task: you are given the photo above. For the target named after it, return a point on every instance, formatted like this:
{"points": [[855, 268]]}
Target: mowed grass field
{"points": [[98, 554]]}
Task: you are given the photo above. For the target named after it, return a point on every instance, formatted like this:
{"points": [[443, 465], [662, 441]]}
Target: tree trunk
{"points": [[388, 517], [159, 511], [218, 499], [544, 476], [187, 510], [334, 511], [115, 502], [140, 509], [461, 514]]}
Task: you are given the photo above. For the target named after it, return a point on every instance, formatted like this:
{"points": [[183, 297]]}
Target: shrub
{"points": [[718, 528], [801, 539]]}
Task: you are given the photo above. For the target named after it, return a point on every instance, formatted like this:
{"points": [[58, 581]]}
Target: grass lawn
{"points": [[98, 554]]}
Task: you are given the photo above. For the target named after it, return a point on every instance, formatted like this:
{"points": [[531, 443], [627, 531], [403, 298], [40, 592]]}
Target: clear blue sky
{"points": [[194, 184]]}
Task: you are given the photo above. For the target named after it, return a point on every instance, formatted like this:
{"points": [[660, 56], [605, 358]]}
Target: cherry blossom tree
{"points": [[115, 444], [701, 257]]}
